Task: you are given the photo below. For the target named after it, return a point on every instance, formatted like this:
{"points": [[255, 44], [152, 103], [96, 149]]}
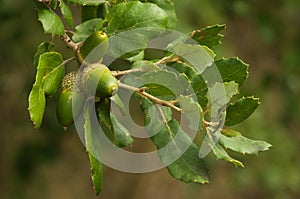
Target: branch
{"points": [[141, 91], [125, 72], [69, 43]]}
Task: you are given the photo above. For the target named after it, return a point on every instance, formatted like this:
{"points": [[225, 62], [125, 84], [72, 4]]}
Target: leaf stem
{"points": [[141, 91]]}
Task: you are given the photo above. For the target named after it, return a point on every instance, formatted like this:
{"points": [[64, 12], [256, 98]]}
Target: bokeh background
{"points": [[50, 163]]}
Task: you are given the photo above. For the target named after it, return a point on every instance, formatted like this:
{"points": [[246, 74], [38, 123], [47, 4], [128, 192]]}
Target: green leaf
{"points": [[47, 62], [118, 101], [243, 145], [37, 104], [96, 173], [217, 92], [113, 129], [87, 2], [230, 132], [165, 84], [37, 101], [88, 13], [196, 80], [51, 22], [200, 88], [52, 81], [66, 12], [168, 7], [241, 110], [122, 136], [199, 57], [53, 3], [87, 28], [104, 118], [145, 66], [135, 14], [43, 47], [184, 68], [186, 167], [192, 111], [233, 69], [209, 36], [220, 153], [96, 166], [189, 168]]}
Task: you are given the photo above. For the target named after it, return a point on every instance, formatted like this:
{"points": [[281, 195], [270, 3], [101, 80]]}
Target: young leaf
{"points": [[37, 104], [87, 2], [43, 47], [52, 81], [243, 145], [51, 22], [220, 153], [66, 12], [209, 36], [87, 28], [135, 14], [187, 167], [241, 110]]}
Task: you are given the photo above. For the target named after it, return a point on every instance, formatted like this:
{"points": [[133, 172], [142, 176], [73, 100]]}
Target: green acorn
{"points": [[99, 81], [68, 94], [93, 48]]}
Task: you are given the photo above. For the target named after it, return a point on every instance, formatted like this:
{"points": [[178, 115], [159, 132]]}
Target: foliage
{"points": [[180, 76]]}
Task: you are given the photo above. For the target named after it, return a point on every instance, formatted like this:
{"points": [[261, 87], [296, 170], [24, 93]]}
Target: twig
{"points": [[70, 31], [141, 91], [69, 43], [68, 60], [125, 72], [171, 58]]}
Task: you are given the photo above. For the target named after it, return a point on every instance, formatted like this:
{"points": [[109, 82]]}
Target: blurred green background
{"points": [[50, 163]]}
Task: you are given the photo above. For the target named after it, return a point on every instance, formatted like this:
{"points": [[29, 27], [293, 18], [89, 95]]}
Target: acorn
{"points": [[93, 48], [98, 81], [70, 93]]}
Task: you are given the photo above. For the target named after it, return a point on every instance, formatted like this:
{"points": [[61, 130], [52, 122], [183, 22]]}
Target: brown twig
{"points": [[171, 58], [125, 72], [69, 43], [141, 91]]}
